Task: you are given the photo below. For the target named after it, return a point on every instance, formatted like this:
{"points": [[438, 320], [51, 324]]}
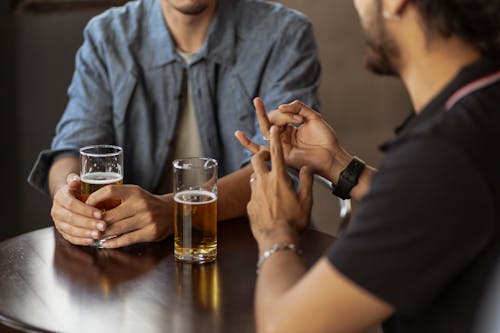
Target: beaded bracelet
{"points": [[275, 248]]}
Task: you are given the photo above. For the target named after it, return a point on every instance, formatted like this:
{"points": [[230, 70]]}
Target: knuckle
{"points": [[154, 230], [53, 212], [149, 216], [71, 205], [69, 216], [108, 190]]}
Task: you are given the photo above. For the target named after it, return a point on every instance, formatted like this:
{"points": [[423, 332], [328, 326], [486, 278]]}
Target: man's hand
{"points": [[141, 217], [306, 137], [277, 213], [77, 222]]}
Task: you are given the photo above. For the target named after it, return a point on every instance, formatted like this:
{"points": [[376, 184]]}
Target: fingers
{"points": [[66, 199], [74, 231], [277, 158], [262, 116], [306, 183], [76, 240], [125, 225], [279, 118], [117, 192], [80, 221], [252, 179], [259, 163], [73, 181], [300, 109], [138, 236], [134, 201], [247, 143]]}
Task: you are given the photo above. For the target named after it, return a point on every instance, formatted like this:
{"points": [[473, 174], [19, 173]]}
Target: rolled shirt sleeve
{"points": [[87, 119]]}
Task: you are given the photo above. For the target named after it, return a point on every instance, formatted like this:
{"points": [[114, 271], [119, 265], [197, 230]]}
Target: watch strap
{"points": [[348, 178]]}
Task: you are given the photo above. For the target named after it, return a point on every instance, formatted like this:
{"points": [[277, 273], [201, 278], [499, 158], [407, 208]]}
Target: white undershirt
{"points": [[187, 140]]}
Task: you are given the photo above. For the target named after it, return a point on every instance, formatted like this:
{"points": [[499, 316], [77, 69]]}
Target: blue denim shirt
{"points": [[126, 89]]}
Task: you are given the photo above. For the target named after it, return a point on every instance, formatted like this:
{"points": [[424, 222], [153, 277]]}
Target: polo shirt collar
{"points": [[468, 74], [480, 68], [219, 44]]}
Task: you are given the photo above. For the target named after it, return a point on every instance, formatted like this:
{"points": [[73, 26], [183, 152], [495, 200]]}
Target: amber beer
{"points": [[195, 224], [92, 182]]}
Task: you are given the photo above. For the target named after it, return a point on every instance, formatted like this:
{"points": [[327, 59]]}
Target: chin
{"points": [[379, 63], [191, 7]]}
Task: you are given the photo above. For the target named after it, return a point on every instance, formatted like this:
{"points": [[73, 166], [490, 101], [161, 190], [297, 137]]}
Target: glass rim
{"points": [[177, 163], [117, 150]]}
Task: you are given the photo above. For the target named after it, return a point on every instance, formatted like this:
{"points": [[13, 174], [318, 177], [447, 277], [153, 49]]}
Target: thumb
{"points": [[300, 109], [73, 180], [306, 182]]}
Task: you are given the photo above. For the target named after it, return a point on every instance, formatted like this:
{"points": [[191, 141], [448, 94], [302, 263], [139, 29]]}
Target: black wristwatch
{"points": [[348, 178]]}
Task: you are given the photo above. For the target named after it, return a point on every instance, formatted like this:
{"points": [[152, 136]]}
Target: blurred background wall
{"points": [[37, 60]]}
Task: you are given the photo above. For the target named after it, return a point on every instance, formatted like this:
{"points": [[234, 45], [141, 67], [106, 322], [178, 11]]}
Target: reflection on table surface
{"points": [[103, 270], [46, 282]]}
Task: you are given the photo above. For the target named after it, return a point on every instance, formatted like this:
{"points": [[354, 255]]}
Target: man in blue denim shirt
{"points": [[127, 90]]}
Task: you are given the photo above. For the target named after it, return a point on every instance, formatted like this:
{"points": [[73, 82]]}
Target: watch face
{"points": [[348, 178]]}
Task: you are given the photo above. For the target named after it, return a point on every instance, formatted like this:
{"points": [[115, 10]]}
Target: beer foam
{"points": [[195, 193], [101, 178]]}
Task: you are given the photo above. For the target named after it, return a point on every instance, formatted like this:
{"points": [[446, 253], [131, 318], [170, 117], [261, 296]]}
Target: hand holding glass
{"points": [[100, 165]]}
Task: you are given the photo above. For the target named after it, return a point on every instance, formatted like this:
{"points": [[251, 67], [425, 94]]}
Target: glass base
{"points": [[193, 256], [100, 242]]}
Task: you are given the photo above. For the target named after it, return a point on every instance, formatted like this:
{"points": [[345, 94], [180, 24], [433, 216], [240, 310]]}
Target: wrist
{"points": [[271, 238], [339, 162]]}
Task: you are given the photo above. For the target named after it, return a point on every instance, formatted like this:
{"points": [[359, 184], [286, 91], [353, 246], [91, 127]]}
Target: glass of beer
{"points": [[100, 165], [195, 210]]}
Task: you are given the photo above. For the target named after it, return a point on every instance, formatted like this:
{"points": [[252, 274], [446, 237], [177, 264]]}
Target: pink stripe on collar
{"points": [[472, 87]]}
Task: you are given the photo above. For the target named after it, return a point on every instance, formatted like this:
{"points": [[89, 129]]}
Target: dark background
{"points": [[36, 63]]}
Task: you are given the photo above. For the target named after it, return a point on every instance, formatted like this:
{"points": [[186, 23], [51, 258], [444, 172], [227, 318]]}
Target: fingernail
{"points": [[101, 226], [97, 215], [297, 118], [74, 178], [95, 234]]}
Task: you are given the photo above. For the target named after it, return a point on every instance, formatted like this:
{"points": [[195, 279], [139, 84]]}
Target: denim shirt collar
{"points": [[219, 44]]}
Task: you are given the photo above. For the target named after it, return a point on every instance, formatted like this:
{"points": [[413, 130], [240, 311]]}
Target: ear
{"points": [[394, 8]]}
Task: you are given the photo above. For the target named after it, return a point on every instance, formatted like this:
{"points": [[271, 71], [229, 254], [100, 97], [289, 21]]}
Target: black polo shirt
{"points": [[426, 237]]}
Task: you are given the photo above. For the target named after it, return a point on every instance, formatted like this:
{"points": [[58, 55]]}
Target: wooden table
{"points": [[47, 284]]}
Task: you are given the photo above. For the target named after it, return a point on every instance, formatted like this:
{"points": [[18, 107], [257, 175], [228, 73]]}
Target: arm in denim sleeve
{"points": [[293, 72], [88, 116]]}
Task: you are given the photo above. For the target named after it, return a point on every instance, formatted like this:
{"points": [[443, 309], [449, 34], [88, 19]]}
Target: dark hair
{"points": [[475, 21]]}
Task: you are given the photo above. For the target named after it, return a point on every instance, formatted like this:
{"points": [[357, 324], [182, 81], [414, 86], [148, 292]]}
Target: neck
{"points": [[433, 66], [188, 31]]}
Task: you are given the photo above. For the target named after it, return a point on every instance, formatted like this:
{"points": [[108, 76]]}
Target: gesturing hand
{"points": [[77, 222], [277, 213], [141, 217], [312, 143]]}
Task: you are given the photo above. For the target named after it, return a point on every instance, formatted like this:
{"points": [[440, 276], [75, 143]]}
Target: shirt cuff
{"points": [[39, 175]]}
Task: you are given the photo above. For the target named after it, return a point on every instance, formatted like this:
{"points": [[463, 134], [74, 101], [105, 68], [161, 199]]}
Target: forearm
{"points": [[234, 194], [276, 277], [60, 171]]}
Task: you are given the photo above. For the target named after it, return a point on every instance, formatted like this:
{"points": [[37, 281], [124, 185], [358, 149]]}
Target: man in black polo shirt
{"points": [[422, 247]]}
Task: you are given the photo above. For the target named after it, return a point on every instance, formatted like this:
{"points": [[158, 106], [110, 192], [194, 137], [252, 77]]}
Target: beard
{"points": [[381, 50], [192, 8]]}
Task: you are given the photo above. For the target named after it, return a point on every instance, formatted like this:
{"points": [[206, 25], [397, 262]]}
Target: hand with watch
{"points": [[308, 140]]}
